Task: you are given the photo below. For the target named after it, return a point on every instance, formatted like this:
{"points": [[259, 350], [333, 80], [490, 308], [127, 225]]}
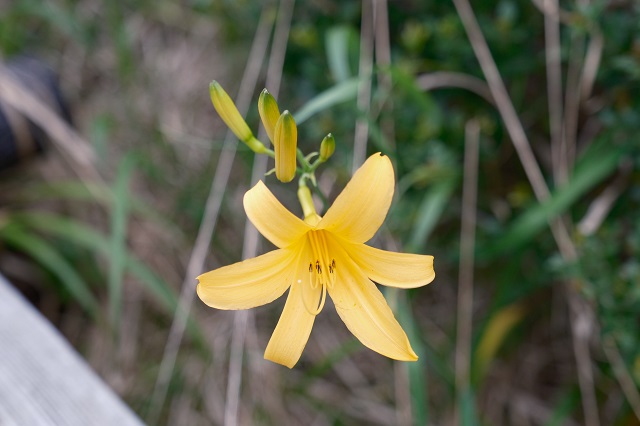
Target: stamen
{"points": [[320, 250], [312, 282], [332, 275]]}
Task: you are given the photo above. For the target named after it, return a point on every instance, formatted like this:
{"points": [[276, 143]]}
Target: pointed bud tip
{"points": [[269, 112], [327, 147], [229, 112]]}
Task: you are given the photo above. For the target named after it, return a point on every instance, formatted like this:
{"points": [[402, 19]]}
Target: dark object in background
{"points": [[19, 137]]}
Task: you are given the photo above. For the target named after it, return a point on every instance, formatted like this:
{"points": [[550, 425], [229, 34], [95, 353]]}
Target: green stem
{"points": [[304, 196]]}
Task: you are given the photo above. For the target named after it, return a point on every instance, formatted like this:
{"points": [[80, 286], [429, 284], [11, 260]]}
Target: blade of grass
{"points": [[118, 240], [98, 243], [365, 70], [501, 323], [49, 258], [468, 414], [430, 210], [466, 267], [416, 371], [341, 92], [596, 164], [337, 45], [98, 193]]}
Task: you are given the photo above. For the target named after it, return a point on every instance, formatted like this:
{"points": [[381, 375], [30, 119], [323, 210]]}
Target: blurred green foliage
{"points": [[521, 311]]}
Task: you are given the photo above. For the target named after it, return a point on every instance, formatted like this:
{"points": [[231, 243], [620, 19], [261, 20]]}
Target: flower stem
{"points": [[304, 195]]}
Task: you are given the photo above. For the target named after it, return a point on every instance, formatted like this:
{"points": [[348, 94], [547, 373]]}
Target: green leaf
{"points": [[341, 92], [337, 45], [87, 237], [118, 240], [49, 258], [416, 371], [595, 165], [94, 192], [430, 211], [468, 415]]}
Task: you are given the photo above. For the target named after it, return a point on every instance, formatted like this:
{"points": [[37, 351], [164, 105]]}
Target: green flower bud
{"points": [[327, 147], [228, 112]]}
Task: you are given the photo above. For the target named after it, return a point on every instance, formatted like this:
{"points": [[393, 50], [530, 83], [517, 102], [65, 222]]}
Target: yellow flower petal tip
{"points": [[269, 112], [320, 258], [285, 145]]}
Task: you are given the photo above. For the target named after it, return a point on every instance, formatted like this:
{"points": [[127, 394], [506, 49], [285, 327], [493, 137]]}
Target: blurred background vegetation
{"points": [[102, 247]]}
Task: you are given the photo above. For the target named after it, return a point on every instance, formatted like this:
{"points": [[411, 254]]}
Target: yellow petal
{"points": [[272, 219], [365, 311], [250, 283], [362, 206], [401, 270], [293, 329]]}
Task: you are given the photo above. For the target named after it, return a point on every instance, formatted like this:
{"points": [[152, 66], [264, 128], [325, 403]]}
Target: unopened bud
{"points": [[285, 141], [327, 147], [269, 112], [229, 113]]}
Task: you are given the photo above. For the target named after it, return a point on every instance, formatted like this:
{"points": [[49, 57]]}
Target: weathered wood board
{"points": [[43, 381]]}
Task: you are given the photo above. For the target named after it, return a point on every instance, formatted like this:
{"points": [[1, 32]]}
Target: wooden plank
{"points": [[43, 381]]}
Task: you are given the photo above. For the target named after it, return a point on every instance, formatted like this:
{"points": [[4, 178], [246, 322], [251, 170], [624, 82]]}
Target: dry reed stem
{"points": [[553, 8], [592, 220], [512, 122], [573, 96], [591, 63], [602, 205], [209, 220], [580, 318], [554, 90], [251, 236], [442, 79], [382, 47], [364, 88], [582, 328], [465, 276], [623, 376]]}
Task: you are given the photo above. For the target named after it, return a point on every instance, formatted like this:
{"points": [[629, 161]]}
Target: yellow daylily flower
{"points": [[320, 255]]}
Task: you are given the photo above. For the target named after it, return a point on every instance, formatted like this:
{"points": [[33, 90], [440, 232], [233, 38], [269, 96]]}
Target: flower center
{"points": [[322, 268]]}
